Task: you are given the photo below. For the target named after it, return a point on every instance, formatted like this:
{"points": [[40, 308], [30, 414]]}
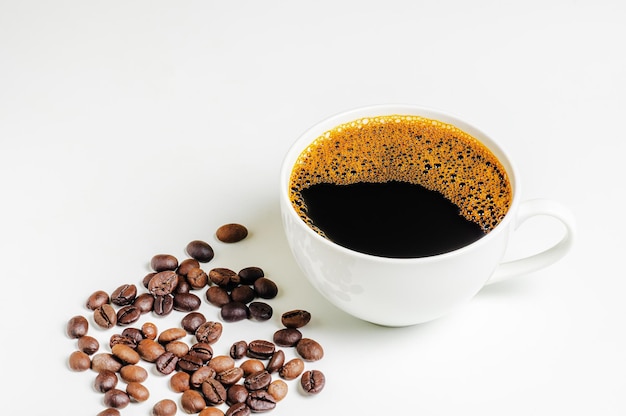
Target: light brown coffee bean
{"points": [[97, 299], [162, 262], [229, 376], [201, 375], [221, 363], [105, 361], [211, 411], [209, 332], [236, 394], [278, 389], [137, 391], [149, 330], [105, 381], [77, 327], [124, 295], [223, 276], [192, 401], [186, 265], [214, 392], [79, 361], [163, 283], [105, 316], [312, 381], [144, 302], [116, 399], [252, 366], [309, 350], [165, 407], [88, 344], [217, 296], [109, 412], [292, 369], [149, 350], [125, 354], [258, 381], [171, 334], [180, 381], [197, 278], [132, 372], [231, 233], [178, 348]]}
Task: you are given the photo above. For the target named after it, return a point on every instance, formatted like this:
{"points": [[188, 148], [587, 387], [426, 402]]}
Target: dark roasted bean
{"points": [[186, 302], [105, 381], [201, 375], [105, 316], [97, 299], [209, 332], [249, 274], [260, 311], [186, 265], [163, 283], [217, 296], [162, 262], [296, 318], [200, 251], [182, 286], [88, 344], [163, 305], [260, 349], [127, 315], [276, 362], [265, 288], [260, 401], [243, 294], [144, 302], [146, 279], [234, 311], [197, 278], [231, 233], [134, 334], [223, 277], [309, 349], [122, 339], [230, 376], [214, 392], [312, 381], [287, 337], [236, 394], [124, 295], [238, 349], [116, 399], [192, 321], [238, 409], [202, 350], [189, 363], [258, 381], [77, 326], [166, 363]]}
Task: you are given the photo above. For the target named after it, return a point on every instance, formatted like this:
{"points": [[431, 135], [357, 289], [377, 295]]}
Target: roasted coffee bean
{"points": [[178, 348], [122, 339], [109, 412], [144, 302], [234, 311], [137, 391], [260, 349], [186, 302], [186, 265], [252, 366], [165, 407], [146, 279], [77, 327], [88, 344], [238, 409], [189, 363], [217, 296], [105, 381], [163, 262], [163, 305], [231, 233], [197, 278], [116, 399], [243, 294], [179, 382], [192, 401], [182, 286], [166, 363], [200, 251], [258, 381], [209, 332], [201, 375], [214, 392], [171, 334], [149, 350], [309, 349], [312, 381], [260, 311], [238, 349], [125, 354], [265, 288], [97, 299], [278, 389], [133, 333], [248, 275], [202, 350], [105, 316], [223, 277], [236, 394], [132, 372], [276, 362], [287, 337], [105, 361], [163, 283], [230, 376], [149, 330], [296, 318], [192, 321], [79, 361], [124, 295], [260, 401], [127, 315], [292, 369], [221, 363]]}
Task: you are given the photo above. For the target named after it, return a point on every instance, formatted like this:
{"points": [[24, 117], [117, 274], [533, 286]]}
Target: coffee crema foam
{"points": [[407, 148]]}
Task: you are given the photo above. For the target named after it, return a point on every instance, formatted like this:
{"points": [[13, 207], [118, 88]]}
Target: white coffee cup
{"points": [[407, 291]]}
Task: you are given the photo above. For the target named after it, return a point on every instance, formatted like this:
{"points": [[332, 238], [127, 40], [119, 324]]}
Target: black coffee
{"points": [[399, 186], [393, 219]]}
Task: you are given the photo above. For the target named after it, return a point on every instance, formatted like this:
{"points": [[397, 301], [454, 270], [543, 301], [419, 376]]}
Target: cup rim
{"points": [[326, 124]]}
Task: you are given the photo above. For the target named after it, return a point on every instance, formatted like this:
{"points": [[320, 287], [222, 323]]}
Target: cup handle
{"points": [[545, 258]]}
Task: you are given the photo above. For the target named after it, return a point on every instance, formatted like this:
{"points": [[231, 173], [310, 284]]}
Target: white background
{"points": [[129, 128]]}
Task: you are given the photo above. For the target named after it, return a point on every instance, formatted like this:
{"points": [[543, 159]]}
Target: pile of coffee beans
{"points": [[252, 376]]}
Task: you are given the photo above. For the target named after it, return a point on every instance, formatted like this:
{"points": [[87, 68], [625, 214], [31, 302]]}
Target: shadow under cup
{"points": [[430, 149]]}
